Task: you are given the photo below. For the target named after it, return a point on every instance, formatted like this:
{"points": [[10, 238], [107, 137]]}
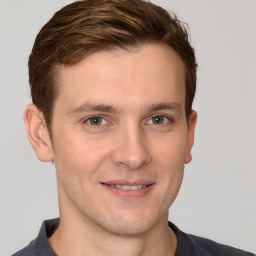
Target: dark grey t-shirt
{"points": [[188, 245]]}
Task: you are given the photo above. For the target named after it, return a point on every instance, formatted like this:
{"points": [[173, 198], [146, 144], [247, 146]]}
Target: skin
{"points": [[119, 118]]}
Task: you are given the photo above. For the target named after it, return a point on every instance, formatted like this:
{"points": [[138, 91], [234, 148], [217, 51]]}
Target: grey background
{"points": [[217, 199]]}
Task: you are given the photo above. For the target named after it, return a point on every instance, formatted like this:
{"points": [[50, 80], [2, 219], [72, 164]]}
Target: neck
{"points": [[74, 237]]}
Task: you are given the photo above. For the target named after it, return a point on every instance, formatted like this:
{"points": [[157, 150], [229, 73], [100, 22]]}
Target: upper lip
{"points": [[127, 182]]}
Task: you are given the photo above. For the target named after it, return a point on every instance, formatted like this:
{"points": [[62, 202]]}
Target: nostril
{"points": [[131, 152]]}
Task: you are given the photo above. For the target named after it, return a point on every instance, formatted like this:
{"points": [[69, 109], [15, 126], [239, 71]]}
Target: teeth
{"points": [[133, 187]]}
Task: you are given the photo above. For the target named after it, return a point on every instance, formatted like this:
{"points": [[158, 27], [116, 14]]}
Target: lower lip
{"points": [[129, 194]]}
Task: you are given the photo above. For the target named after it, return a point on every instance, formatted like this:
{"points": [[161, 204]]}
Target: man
{"points": [[112, 84]]}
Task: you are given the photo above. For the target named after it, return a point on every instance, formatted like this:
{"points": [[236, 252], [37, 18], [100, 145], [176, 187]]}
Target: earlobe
{"points": [[38, 134], [190, 137]]}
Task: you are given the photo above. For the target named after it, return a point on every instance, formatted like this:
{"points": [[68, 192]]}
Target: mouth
{"points": [[126, 190], [128, 187]]}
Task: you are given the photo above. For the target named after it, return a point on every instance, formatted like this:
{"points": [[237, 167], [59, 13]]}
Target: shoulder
{"points": [[29, 250], [40, 245], [191, 245], [213, 248]]}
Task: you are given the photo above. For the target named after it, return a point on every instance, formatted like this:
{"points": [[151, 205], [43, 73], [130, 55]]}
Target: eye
{"points": [[96, 120], [158, 120]]}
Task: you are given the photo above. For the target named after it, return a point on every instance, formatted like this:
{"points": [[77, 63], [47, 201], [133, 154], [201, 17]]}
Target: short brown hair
{"points": [[88, 26]]}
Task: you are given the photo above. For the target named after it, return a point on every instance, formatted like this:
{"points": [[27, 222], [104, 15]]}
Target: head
{"points": [[113, 83], [89, 26]]}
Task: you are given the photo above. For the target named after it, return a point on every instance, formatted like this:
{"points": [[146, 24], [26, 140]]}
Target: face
{"points": [[120, 137]]}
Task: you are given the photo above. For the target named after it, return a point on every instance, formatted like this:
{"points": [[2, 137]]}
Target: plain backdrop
{"points": [[218, 195]]}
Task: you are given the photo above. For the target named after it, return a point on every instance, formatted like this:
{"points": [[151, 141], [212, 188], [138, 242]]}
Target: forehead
{"points": [[136, 76]]}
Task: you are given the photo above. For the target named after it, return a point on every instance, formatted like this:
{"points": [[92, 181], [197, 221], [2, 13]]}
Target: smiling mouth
{"points": [[128, 187], [129, 190]]}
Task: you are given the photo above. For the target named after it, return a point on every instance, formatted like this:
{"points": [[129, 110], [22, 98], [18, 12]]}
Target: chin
{"points": [[129, 225], [128, 228]]}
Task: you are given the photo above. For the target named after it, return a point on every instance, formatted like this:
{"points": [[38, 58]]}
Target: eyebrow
{"points": [[165, 106], [88, 107]]}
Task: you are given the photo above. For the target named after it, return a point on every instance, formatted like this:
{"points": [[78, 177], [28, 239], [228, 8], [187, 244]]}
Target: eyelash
{"points": [[166, 121], [87, 121]]}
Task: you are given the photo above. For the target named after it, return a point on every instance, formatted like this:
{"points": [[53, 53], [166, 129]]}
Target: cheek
{"points": [[77, 167], [82, 157], [171, 151], [170, 161]]}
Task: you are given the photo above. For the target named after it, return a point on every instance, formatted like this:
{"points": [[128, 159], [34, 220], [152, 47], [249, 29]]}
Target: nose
{"points": [[131, 149]]}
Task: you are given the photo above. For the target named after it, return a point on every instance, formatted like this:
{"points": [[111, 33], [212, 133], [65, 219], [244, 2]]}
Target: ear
{"points": [[190, 136], [38, 134]]}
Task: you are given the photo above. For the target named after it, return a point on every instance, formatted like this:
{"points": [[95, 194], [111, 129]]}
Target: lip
{"points": [[129, 194], [130, 183]]}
